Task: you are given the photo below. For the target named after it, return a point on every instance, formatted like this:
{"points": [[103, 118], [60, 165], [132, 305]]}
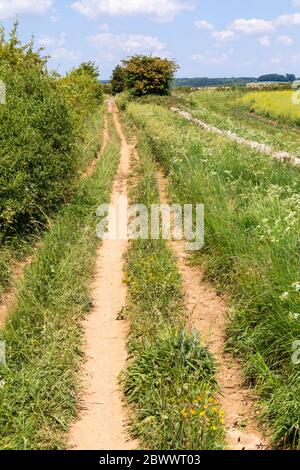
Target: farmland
{"points": [[138, 342]]}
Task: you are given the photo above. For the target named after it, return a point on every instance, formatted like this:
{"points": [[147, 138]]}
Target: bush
{"points": [[37, 155], [82, 90], [144, 75]]}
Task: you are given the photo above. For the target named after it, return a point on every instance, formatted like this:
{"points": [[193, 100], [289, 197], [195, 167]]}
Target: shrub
{"points": [[145, 75], [37, 155]]}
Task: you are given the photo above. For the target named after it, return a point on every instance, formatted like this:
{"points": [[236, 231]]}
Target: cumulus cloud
{"points": [[253, 26], [48, 41], [203, 24], [11, 8], [223, 36], [112, 44], [211, 59], [160, 9], [62, 53], [285, 40], [288, 20], [265, 41]]}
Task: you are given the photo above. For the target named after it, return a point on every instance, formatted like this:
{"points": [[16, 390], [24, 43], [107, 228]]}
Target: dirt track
{"points": [[102, 419]]}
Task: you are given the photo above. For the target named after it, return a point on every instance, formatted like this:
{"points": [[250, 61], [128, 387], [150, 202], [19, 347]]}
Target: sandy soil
{"points": [[102, 417]]}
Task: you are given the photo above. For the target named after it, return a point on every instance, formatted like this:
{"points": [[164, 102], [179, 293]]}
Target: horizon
{"points": [[207, 39]]}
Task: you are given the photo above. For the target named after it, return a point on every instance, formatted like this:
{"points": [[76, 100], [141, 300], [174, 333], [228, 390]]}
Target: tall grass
{"points": [[170, 381], [226, 110], [252, 249], [44, 334]]}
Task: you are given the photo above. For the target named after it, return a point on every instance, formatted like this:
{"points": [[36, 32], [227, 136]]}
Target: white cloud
{"points": [[160, 9], [203, 24], [253, 26], [285, 40], [296, 3], [104, 27], [225, 35], [265, 41], [11, 8], [211, 59], [275, 61], [48, 41], [127, 43], [62, 53], [288, 20]]}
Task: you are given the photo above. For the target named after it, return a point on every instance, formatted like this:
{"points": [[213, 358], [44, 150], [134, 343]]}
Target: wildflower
{"points": [[193, 412], [284, 295], [202, 413], [183, 413], [294, 316], [296, 286], [214, 428]]}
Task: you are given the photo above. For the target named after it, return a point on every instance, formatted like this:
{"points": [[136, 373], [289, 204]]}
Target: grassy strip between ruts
{"points": [[43, 337], [18, 246], [170, 382], [252, 249]]}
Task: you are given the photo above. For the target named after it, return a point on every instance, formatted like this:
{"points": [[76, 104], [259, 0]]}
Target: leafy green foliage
{"points": [[37, 154], [118, 80], [144, 75]]}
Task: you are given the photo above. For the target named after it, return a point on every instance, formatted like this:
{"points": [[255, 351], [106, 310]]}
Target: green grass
{"points": [[170, 381], [44, 334], [226, 110], [252, 249]]}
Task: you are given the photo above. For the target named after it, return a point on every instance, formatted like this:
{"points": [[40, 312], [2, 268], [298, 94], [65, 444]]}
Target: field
{"points": [[275, 105], [137, 342]]}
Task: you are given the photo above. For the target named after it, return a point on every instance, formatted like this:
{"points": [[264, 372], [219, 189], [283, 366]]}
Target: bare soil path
{"points": [[208, 314], [102, 418]]}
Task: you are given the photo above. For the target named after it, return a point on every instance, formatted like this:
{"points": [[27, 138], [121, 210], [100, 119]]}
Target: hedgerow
{"points": [[39, 128]]}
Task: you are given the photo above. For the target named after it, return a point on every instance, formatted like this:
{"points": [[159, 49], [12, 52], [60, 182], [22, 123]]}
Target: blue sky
{"points": [[206, 37]]}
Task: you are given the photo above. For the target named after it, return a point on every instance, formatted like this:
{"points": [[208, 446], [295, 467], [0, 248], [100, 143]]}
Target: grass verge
{"points": [[252, 249], [170, 381], [17, 246], [44, 335]]}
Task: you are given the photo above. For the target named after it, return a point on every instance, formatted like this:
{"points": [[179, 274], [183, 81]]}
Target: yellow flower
{"points": [[193, 412], [183, 413], [214, 428], [222, 420], [202, 413]]}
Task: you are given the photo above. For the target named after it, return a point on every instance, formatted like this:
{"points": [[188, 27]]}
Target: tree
{"points": [[87, 68], [147, 75], [118, 80]]}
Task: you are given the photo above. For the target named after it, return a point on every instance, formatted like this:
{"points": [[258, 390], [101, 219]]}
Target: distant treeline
{"points": [[205, 81]]}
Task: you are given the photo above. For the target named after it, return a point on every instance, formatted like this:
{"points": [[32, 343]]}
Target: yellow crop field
{"points": [[283, 104]]}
